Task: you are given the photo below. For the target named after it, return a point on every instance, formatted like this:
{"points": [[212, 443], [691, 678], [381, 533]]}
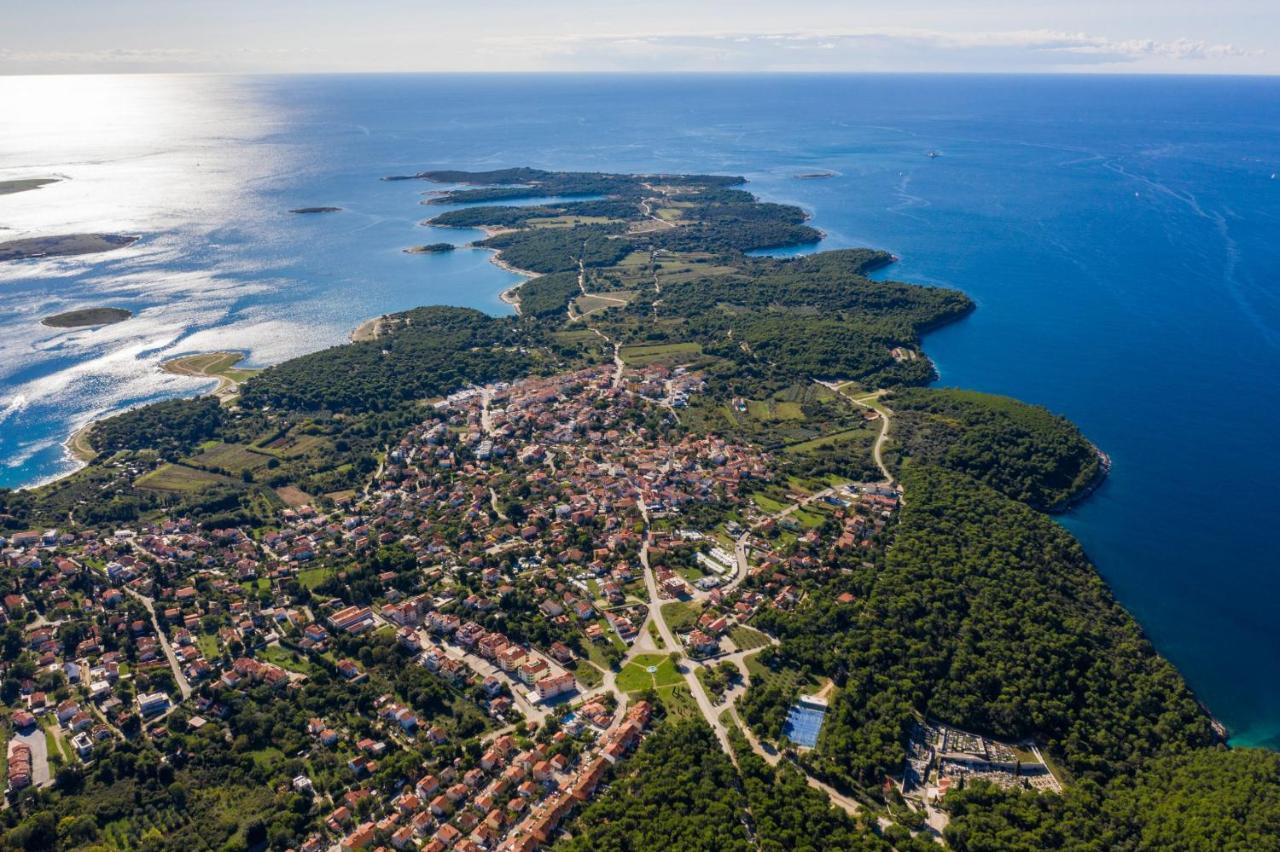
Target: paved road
{"points": [[668, 638], [178, 676]]}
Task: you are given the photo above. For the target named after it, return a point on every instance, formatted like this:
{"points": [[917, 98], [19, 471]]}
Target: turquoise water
{"points": [[1118, 234]]}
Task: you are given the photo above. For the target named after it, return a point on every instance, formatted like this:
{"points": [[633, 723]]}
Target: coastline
{"points": [[78, 447], [210, 365], [370, 329]]}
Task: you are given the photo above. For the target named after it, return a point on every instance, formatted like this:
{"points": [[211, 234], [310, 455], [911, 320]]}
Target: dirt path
{"points": [[871, 401]]}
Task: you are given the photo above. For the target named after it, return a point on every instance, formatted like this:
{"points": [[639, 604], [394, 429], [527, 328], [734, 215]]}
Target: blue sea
{"points": [[1121, 237]]}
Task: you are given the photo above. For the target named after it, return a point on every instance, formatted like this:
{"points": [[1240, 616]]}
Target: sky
{"points": [[1110, 36]]}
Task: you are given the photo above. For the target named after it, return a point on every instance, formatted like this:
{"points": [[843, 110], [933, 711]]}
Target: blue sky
{"points": [[1127, 36]]}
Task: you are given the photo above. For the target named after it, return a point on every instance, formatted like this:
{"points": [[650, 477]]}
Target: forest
{"points": [[430, 352], [1205, 801], [1023, 451], [987, 615]]}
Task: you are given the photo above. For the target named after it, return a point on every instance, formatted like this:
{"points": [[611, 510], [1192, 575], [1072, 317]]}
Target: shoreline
{"points": [[78, 447], [208, 365], [370, 329]]}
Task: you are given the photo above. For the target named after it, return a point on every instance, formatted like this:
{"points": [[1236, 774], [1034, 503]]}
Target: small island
{"points": [[63, 245], [433, 248], [11, 187], [87, 317], [316, 210]]}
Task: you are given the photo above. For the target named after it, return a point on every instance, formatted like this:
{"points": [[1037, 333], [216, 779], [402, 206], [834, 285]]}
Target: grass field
{"points": [[643, 355], [178, 479], [285, 659], [268, 757], [769, 410], [681, 616], [312, 577], [767, 503], [587, 674], [568, 221], [747, 638], [679, 702], [591, 303], [791, 681], [636, 677], [847, 436], [208, 644]]}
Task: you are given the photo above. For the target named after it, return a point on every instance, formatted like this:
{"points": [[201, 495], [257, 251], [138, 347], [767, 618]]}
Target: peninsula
{"points": [[432, 248], [685, 555]]}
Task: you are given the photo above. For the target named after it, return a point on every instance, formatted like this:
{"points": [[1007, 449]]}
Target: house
{"points": [[152, 704]]}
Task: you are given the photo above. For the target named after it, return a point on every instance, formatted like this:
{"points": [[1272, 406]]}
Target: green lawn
{"points": [[208, 643], [268, 757], [636, 677], [790, 680], [679, 702], [767, 503]]}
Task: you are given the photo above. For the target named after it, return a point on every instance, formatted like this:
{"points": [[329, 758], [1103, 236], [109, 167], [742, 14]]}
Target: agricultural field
{"points": [[293, 496], [179, 479], [646, 354], [291, 445], [232, 458]]}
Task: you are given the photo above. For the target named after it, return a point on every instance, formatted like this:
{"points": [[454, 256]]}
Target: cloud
{"points": [[861, 49], [858, 49]]}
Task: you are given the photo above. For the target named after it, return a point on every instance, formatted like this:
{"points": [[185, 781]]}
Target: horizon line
{"points": [[1262, 75]]}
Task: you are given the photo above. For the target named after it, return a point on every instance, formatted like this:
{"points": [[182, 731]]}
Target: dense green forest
{"points": [[1204, 801], [1023, 451], [430, 352], [987, 615], [677, 792], [548, 296], [560, 249], [171, 427]]}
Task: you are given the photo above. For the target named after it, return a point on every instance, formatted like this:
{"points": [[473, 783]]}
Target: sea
{"points": [[1120, 235]]}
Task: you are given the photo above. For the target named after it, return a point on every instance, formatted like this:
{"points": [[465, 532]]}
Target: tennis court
{"points": [[804, 721]]}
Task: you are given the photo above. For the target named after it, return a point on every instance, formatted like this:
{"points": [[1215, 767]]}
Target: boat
{"points": [[933, 155]]}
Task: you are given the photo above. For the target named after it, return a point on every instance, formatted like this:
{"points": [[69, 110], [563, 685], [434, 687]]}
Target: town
{"points": [[553, 554]]}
